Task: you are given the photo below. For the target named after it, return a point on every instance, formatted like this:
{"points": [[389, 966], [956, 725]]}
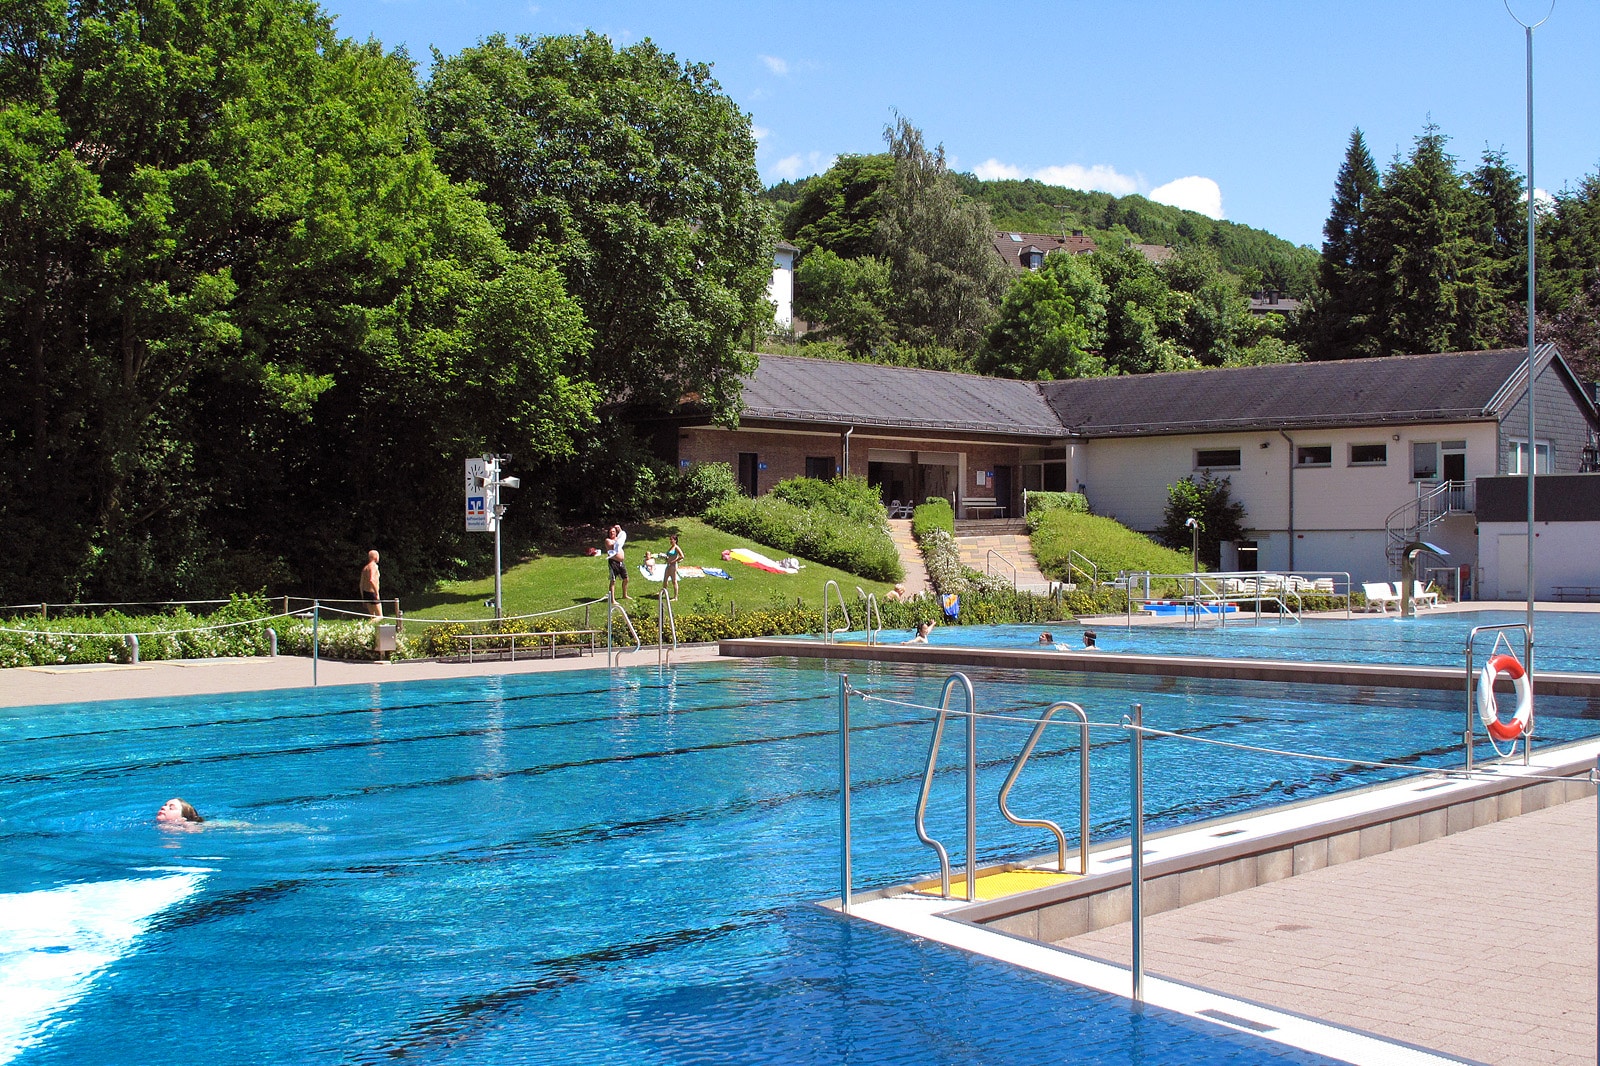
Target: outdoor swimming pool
{"points": [[1566, 641], [589, 867]]}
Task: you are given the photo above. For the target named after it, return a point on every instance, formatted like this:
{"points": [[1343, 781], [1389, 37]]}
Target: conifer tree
{"points": [[1345, 314], [1504, 225], [1438, 292]]}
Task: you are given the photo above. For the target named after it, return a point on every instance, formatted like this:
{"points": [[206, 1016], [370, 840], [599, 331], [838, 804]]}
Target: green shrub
{"points": [[850, 496], [1111, 545], [1041, 503], [935, 514], [702, 486], [820, 535], [237, 628]]}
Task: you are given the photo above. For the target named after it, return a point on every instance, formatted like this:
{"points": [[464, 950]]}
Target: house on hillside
{"points": [[1273, 302], [1336, 463], [1026, 251], [781, 289]]}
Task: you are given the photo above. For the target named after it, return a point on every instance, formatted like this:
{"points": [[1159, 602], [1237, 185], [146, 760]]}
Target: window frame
{"points": [[1351, 459], [1200, 453], [1301, 451]]}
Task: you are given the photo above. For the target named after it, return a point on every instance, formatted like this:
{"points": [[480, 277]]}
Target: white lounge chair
{"points": [[1380, 594], [1422, 597]]}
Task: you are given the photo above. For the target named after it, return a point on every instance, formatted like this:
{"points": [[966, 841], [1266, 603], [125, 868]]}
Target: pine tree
{"points": [[1439, 295], [1344, 321], [1504, 227]]}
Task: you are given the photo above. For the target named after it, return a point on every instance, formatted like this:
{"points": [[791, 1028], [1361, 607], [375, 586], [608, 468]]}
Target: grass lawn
{"points": [[566, 576]]}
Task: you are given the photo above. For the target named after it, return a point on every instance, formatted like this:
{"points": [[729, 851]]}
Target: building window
{"points": [[1369, 454], [1216, 458], [1424, 460], [820, 467], [1314, 455], [1519, 457]]}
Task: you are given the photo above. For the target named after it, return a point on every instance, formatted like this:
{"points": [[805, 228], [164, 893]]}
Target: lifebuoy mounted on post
{"points": [[1521, 723]]}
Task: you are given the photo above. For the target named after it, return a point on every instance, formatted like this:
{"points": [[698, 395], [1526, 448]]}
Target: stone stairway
{"points": [[910, 556], [1013, 546]]}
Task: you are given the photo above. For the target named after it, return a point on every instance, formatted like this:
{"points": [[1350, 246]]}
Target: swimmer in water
{"points": [[923, 629], [178, 813]]}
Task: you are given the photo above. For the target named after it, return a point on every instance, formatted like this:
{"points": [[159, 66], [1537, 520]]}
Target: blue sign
{"points": [[475, 505]]}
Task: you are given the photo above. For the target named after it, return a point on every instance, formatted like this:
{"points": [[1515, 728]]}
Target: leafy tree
{"points": [[1346, 315], [1209, 500], [942, 267], [641, 172], [1503, 218], [839, 210], [232, 263], [845, 298], [1052, 323], [1216, 320], [1576, 330], [1440, 295], [1142, 315]]}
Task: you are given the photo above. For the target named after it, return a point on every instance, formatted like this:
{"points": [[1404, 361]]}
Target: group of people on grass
{"points": [[614, 550]]}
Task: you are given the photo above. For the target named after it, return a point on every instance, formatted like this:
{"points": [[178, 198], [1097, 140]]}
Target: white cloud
{"points": [[760, 133], [1098, 178], [795, 166], [1193, 193], [778, 66]]}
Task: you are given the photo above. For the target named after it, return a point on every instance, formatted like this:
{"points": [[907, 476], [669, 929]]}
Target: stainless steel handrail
{"points": [[665, 620], [1470, 732], [1093, 573], [612, 608], [827, 627], [988, 560], [972, 790], [872, 610], [1083, 786]]}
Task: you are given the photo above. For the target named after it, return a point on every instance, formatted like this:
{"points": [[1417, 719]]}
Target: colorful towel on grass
{"points": [[750, 557], [658, 571]]}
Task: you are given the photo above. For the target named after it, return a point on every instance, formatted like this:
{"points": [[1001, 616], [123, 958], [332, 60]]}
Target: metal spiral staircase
{"points": [[1413, 519]]}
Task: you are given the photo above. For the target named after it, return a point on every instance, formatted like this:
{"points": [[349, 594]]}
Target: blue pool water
{"points": [[1566, 641], [590, 867]]}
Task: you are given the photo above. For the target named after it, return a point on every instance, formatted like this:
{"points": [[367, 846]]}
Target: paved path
{"points": [[32, 685], [1480, 944], [916, 581]]}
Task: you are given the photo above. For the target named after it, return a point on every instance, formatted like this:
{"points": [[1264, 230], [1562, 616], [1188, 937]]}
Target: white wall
{"points": [[1340, 510], [781, 289], [1565, 553]]}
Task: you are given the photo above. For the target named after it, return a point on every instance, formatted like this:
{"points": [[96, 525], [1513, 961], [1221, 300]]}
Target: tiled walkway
{"points": [[1480, 945]]}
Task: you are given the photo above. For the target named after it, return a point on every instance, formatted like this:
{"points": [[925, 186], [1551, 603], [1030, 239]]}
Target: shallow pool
{"points": [[1566, 641], [589, 867]]}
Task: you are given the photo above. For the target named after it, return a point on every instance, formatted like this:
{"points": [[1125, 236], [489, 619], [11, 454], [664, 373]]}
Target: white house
{"points": [[781, 289]]}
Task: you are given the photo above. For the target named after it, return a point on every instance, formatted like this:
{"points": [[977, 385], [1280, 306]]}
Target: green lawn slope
{"points": [[567, 576], [1112, 546]]}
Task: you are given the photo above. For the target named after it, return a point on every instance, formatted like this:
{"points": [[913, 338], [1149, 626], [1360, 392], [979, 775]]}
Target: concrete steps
{"points": [[910, 556], [1013, 547]]}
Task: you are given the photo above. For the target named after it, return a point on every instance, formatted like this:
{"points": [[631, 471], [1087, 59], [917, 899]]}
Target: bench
{"points": [[982, 503], [507, 642], [1575, 593]]}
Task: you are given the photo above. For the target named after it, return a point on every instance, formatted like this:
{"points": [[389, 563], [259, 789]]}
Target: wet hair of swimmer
{"points": [[1046, 638], [186, 809], [1088, 638]]}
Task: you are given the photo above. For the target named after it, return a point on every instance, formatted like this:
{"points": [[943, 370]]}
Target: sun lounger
{"points": [[1380, 594], [1422, 597]]}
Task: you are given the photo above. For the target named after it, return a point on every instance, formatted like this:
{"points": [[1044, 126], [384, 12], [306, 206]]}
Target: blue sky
{"points": [[1237, 108]]}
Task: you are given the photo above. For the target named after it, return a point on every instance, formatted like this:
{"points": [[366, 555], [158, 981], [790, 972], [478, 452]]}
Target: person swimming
{"points": [[178, 813], [1047, 638], [923, 629]]}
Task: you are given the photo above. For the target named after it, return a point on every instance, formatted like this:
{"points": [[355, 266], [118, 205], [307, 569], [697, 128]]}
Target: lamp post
{"points": [[496, 482], [1533, 448], [1194, 539]]}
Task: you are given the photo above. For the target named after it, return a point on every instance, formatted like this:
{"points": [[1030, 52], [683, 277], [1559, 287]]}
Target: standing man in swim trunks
{"points": [[369, 585]]}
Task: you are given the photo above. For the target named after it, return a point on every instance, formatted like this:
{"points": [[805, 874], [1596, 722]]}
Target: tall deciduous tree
{"points": [[839, 209], [946, 278], [1052, 323], [1346, 319], [641, 172], [243, 315]]}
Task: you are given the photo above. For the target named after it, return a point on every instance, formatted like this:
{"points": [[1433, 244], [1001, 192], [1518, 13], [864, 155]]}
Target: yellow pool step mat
{"points": [[998, 884]]}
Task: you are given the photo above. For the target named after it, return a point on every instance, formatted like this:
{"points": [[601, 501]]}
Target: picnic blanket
{"points": [[750, 557], [658, 571]]}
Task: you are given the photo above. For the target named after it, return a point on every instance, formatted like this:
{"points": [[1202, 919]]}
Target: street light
{"points": [[496, 482]]}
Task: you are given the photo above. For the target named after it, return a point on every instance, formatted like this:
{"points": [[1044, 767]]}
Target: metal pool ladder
{"points": [[827, 626], [1016, 770]]}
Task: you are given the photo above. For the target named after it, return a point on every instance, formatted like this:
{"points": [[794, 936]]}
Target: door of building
{"points": [[1002, 488], [749, 474]]}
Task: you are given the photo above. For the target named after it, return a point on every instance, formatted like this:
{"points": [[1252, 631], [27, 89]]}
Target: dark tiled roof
{"points": [[1402, 389], [835, 393], [1010, 245], [1262, 303]]}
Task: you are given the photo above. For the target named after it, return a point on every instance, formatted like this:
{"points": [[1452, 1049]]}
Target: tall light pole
{"points": [[1533, 447], [495, 482]]}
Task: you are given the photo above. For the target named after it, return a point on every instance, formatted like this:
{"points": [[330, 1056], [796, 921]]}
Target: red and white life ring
{"points": [[1522, 721]]}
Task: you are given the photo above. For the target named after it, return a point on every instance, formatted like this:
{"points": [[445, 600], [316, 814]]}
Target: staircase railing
{"points": [[1433, 502]]}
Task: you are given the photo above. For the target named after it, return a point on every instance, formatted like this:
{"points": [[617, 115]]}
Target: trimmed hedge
{"points": [[935, 514], [816, 533], [1110, 544], [1040, 503]]}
